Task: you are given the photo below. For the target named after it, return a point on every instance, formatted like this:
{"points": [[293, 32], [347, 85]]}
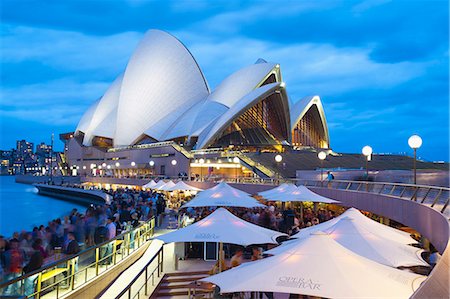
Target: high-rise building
{"points": [[24, 149]]}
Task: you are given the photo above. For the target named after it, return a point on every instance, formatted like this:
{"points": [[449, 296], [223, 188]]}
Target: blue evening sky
{"points": [[380, 67]]}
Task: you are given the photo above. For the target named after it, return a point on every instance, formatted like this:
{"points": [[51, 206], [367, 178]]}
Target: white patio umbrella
{"points": [[159, 184], [223, 195], [319, 266], [290, 192], [182, 186], [367, 244], [386, 231], [281, 189], [150, 184], [222, 226], [167, 186], [374, 227]]}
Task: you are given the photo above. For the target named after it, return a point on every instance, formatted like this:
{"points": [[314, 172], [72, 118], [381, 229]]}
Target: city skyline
{"points": [[378, 86]]}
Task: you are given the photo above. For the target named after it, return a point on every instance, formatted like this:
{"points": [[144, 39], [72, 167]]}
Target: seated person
{"points": [[215, 269], [236, 260]]}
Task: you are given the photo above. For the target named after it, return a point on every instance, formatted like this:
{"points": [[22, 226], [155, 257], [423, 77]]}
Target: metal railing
{"points": [[72, 272], [139, 285], [435, 197]]}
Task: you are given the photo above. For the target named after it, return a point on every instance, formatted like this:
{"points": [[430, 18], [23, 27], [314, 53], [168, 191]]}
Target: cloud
{"points": [[380, 67]]}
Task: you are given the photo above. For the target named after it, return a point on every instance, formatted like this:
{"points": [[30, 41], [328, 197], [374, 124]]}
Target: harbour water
{"points": [[21, 208]]}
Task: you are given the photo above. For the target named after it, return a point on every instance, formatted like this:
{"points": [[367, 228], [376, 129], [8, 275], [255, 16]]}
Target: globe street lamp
{"points": [[278, 159], [415, 142], [367, 151], [322, 156]]}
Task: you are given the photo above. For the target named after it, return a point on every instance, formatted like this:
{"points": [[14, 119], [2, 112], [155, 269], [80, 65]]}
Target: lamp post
{"points": [[415, 142], [278, 158], [322, 156], [236, 161], [201, 161], [367, 151], [174, 163], [51, 159], [133, 164]]}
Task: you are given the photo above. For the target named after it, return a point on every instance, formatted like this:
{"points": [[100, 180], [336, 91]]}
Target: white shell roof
{"points": [[85, 120], [299, 109], [240, 83], [163, 94], [101, 120], [160, 77], [243, 104]]}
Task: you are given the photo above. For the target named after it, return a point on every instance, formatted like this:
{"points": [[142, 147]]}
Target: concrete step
{"points": [[178, 292], [183, 278], [186, 273], [174, 285]]}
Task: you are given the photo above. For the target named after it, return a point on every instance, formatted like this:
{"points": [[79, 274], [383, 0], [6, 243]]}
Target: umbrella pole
{"points": [[220, 256], [301, 212]]}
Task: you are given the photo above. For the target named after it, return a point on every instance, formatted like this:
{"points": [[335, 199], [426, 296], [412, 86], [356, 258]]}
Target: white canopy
{"points": [[223, 226], [159, 184], [167, 186], [223, 195], [319, 266], [150, 184], [374, 227], [182, 186], [367, 244], [290, 192], [385, 231], [281, 189]]}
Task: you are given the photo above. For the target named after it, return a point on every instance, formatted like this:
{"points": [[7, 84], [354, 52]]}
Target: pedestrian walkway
{"points": [[154, 276]]}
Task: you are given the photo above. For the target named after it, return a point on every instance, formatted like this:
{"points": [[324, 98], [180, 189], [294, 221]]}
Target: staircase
{"points": [[258, 168], [176, 285]]}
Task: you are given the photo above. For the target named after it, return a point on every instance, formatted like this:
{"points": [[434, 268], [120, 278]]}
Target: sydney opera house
{"points": [[162, 105]]}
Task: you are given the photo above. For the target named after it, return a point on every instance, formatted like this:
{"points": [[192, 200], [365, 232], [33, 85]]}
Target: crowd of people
{"points": [[28, 251], [288, 220]]}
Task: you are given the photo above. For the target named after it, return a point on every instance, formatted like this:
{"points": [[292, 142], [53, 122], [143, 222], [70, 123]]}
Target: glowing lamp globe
{"points": [[117, 164], [174, 162], [236, 160], [367, 150], [415, 141], [278, 158], [322, 155], [133, 163], [151, 163], [201, 161]]}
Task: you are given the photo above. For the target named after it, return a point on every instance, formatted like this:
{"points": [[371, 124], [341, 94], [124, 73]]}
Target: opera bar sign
{"points": [[297, 282], [206, 236]]}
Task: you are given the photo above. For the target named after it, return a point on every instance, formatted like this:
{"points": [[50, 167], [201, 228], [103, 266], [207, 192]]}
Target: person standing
{"points": [[111, 226], [36, 261], [14, 260]]}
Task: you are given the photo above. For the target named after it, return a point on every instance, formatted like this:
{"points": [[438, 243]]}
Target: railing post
{"points": [[97, 256], [159, 260], [162, 259], [381, 190], [425, 196], [146, 280]]}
